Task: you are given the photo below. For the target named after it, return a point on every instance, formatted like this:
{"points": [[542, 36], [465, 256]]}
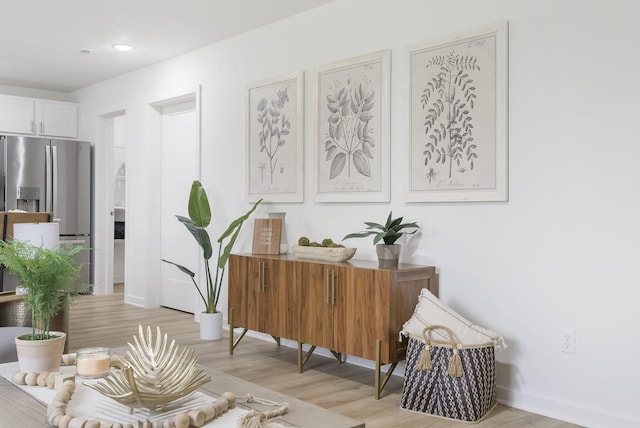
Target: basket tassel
{"points": [[455, 365], [424, 362]]}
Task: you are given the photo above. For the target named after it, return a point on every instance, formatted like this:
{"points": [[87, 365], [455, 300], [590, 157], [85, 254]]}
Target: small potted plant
{"points": [[197, 222], [389, 252], [45, 275]]}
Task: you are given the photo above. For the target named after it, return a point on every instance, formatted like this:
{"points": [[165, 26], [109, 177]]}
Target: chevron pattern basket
{"points": [[448, 380]]}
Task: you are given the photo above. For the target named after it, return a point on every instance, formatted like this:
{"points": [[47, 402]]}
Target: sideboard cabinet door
{"points": [[366, 300], [262, 295], [321, 304], [238, 279]]}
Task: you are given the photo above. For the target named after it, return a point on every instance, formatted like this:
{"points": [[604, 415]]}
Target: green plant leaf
{"points": [[182, 268], [222, 259], [371, 225], [199, 209], [238, 222], [389, 233], [200, 234], [359, 235], [234, 228]]}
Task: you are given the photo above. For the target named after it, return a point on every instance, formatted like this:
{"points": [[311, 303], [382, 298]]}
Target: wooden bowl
{"points": [[323, 253]]}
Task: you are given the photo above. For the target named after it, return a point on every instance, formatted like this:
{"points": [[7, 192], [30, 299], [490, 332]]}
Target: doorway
{"points": [[119, 198], [180, 166], [111, 131]]}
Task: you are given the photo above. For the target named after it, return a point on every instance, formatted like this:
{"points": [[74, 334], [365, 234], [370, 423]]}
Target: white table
{"points": [[18, 408]]}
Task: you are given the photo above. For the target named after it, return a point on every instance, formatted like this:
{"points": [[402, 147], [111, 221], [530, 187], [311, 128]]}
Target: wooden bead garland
{"points": [[65, 385]]}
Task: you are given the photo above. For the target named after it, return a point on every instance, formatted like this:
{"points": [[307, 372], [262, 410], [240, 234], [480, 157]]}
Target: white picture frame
{"points": [[352, 129], [459, 83], [274, 139]]}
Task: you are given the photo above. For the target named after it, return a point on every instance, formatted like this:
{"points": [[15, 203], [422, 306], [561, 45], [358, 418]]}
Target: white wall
{"points": [[561, 253]]}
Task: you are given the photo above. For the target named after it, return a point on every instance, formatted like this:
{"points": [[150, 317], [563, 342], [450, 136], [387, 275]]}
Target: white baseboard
{"points": [[564, 410], [134, 300], [543, 405]]}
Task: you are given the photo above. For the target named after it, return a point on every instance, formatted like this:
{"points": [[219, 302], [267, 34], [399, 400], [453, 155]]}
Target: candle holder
{"points": [[92, 363]]}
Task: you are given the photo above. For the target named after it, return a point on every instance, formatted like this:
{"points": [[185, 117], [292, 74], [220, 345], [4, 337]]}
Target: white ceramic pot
{"points": [[211, 326], [388, 255], [41, 355]]}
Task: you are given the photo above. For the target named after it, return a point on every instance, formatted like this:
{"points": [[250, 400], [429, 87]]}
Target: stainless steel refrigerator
{"points": [[48, 175]]}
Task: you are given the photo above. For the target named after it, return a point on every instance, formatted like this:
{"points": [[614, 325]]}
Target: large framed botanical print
{"points": [[352, 130], [458, 131], [275, 132]]}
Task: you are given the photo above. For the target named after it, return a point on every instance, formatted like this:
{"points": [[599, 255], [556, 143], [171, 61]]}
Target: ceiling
{"points": [[42, 39]]}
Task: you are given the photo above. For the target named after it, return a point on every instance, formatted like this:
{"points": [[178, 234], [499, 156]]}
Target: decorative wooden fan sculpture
{"points": [[152, 375]]}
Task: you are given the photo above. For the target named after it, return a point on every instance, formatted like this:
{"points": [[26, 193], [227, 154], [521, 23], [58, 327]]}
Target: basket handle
{"points": [[428, 340], [424, 362]]}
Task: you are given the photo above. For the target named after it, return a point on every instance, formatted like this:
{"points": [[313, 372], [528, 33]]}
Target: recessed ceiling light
{"points": [[87, 51], [123, 47]]}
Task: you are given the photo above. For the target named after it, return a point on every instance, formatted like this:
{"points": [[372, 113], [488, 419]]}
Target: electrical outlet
{"points": [[568, 341]]}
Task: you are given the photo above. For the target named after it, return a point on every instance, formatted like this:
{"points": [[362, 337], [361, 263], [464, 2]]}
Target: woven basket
{"points": [[448, 380]]}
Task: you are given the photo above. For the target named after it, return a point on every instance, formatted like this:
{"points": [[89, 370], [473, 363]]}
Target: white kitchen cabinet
{"points": [[17, 115], [56, 118], [22, 115]]}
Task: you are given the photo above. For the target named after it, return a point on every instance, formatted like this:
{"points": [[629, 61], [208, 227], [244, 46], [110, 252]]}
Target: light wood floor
{"points": [[342, 388]]}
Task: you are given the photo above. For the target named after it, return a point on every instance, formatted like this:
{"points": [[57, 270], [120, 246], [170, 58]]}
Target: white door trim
{"points": [[152, 295], [103, 218]]}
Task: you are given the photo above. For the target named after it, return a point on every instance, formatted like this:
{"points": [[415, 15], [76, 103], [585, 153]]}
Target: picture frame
{"points": [[352, 129], [458, 117], [266, 236], [274, 139]]}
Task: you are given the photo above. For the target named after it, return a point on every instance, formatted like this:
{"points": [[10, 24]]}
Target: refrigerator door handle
{"points": [[47, 177], [54, 180]]}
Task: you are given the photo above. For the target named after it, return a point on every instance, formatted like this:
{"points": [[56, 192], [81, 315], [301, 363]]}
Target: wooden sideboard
{"points": [[353, 307]]}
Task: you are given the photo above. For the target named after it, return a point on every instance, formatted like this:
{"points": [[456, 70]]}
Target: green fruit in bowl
{"points": [[303, 241], [327, 242]]}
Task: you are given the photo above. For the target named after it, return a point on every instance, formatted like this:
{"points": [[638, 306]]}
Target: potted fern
{"points": [[45, 275], [197, 222], [388, 252]]}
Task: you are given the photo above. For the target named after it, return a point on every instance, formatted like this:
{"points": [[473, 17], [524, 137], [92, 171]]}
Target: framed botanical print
{"points": [[352, 130], [458, 109], [275, 132]]}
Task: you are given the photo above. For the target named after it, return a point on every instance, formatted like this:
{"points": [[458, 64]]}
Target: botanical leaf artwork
{"points": [[352, 151], [457, 117], [350, 140], [275, 129], [449, 99], [274, 139]]}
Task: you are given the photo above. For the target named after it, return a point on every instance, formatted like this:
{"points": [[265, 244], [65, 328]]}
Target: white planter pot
{"points": [[40, 355], [211, 326], [388, 255]]}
